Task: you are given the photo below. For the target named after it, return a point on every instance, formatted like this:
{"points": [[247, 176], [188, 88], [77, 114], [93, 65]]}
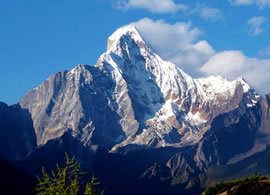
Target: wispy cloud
{"points": [[154, 6], [255, 24], [264, 52], [207, 13], [241, 2], [169, 6], [259, 3], [263, 3]]}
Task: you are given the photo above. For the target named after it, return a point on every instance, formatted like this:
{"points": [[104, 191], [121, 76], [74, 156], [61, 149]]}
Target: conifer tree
{"points": [[66, 181]]}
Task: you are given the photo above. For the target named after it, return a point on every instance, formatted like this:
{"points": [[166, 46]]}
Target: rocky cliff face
{"points": [[132, 99], [265, 107], [76, 100], [17, 135]]}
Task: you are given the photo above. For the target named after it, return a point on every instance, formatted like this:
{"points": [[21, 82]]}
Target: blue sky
{"points": [[39, 38]]}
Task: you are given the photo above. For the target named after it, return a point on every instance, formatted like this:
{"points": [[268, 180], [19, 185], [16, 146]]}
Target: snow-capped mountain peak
{"points": [[128, 31], [168, 98], [132, 97]]}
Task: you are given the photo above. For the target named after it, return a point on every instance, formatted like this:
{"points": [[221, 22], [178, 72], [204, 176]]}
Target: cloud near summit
{"points": [[177, 43], [233, 64], [180, 44]]}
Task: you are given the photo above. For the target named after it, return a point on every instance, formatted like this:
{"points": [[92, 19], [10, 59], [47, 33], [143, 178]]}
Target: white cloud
{"points": [[204, 47], [207, 13], [226, 63], [177, 43], [154, 6], [259, 3], [255, 24], [233, 64]]}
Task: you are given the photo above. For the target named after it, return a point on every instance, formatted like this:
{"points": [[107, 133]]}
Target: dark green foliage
{"points": [[90, 187], [258, 185], [67, 181]]}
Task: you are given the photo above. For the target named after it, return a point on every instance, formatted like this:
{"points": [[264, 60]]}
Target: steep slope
{"points": [[131, 99], [252, 146], [248, 135], [17, 135], [76, 100], [265, 120], [231, 137], [174, 109]]}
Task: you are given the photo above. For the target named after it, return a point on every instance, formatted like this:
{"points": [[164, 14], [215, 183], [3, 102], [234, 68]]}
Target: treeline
{"points": [[258, 185]]}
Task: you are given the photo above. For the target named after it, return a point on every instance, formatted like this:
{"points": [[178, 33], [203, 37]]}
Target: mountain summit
{"points": [[132, 99]]}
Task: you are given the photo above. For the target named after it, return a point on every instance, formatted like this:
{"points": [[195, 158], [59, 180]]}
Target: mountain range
{"points": [[138, 120]]}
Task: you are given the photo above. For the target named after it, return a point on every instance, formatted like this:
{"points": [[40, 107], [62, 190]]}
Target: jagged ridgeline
{"points": [[136, 120], [131, 99]]}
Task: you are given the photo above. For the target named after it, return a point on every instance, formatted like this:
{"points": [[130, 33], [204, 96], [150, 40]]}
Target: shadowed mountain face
{"points": [[141, 119], [254, 160], [17, 135], [54, 152]]}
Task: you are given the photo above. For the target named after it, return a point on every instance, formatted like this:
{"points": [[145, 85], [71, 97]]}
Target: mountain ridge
{"points": [[142, 90]]}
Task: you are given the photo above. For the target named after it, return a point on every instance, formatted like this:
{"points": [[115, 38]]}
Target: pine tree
{"points": [[67, 181]]}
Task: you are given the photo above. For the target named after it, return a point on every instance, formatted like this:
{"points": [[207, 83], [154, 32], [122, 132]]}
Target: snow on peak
{"points": [[214, 85], [161, 93], [129, 30], [246, 87]]}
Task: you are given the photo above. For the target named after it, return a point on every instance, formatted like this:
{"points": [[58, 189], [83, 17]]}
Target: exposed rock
{"points": [[265, 121], [78, 100]]}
